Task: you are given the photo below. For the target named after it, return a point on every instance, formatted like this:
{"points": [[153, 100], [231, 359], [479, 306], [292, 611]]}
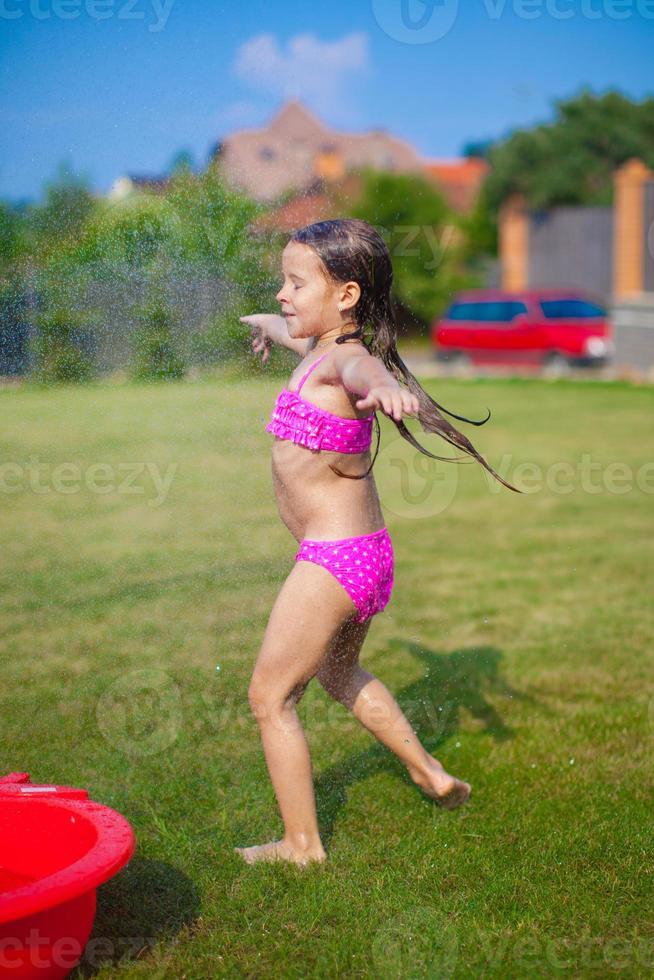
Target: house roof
{"points": [[159, 183], [319, 203], [296, 147], [459, 179], [296, 151]]}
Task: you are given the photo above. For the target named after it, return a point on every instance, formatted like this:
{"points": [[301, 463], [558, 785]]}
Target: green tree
{"points": [[67, 207], [423, 236], [571, 160], [479, 149], [479, 227], [133, 232], [216, 229], [59, 346], [12, 236], [183, 161], [156, 353]]}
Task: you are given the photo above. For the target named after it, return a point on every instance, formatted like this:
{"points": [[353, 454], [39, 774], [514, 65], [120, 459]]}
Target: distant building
{"points": [[459, 180], [295, 149], [122, 187], [297, 152]]}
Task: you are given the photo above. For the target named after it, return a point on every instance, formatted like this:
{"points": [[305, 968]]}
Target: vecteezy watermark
{"points": [[70, 478], [411, 238], [421, 942], [564, 477], [425, 21], [526, 953], [141, 712], [416, 486], [39, 951], [157, 11], [418, 942]]}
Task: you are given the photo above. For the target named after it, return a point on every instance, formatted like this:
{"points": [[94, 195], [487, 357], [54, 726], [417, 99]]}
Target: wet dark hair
{"points": [[351, 250]]}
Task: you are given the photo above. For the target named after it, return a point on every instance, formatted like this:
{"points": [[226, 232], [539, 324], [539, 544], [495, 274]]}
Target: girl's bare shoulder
{"points": [[344, 354]]}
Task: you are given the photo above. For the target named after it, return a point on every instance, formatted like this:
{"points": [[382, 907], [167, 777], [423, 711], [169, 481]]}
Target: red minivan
{"points": [[536, 328]]}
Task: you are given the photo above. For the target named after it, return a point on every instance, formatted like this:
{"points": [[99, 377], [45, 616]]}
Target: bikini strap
{"points": [[308, 372]]}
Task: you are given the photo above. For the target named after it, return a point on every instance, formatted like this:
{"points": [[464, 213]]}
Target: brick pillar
{"points": [[514, 243], [629, 232]]}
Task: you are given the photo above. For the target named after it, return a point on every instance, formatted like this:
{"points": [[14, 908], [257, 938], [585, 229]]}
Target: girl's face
{"points": [[309, 302]]}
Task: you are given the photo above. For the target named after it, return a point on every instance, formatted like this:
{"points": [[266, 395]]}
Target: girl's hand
{"points": [[265, 328], [393, 401]]}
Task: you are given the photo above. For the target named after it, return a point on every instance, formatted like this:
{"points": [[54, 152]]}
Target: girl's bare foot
{"points": [[279, 850], [448, 791]]}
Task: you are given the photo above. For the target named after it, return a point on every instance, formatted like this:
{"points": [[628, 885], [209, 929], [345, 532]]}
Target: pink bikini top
{"points": [[300, 421]]}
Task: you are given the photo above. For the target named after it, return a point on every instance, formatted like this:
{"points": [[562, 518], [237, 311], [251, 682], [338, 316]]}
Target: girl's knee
{"points": [[266, 696]]}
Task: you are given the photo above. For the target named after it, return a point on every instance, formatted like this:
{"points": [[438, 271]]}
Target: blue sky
{"points": [[120, 86]]}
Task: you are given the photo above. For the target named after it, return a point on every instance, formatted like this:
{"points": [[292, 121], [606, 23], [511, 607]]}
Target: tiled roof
{"points": [[459, 180], [323, 200]]}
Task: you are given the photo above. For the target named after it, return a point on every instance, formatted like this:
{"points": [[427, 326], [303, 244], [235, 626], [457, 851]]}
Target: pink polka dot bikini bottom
{"points": [[363, 565]]}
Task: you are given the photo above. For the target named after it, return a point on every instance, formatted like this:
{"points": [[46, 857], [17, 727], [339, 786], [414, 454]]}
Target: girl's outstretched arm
{"points": [[268, 329], [365, 375]]}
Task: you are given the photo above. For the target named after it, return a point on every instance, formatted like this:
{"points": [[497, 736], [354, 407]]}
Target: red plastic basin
{"points": [[56, 847]]}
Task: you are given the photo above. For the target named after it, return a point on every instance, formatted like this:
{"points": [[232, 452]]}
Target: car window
{"points": [[499, 311], [570, 309]]}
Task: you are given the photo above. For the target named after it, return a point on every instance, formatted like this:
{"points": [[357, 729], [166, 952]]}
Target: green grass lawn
{"points": [[518, 640]]}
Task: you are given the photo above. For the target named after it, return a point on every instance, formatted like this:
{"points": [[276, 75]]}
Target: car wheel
{"points": [[555, 365]]}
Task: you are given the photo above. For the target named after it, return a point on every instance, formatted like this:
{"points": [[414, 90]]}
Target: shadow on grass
{"points": [[432, 704], [148, 901]]}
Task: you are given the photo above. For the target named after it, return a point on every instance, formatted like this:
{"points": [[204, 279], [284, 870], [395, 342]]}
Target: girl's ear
{"points": [[349, 295]]}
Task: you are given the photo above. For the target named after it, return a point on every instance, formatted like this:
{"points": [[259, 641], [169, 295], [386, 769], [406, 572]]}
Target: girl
{"points": [[337, 276]]}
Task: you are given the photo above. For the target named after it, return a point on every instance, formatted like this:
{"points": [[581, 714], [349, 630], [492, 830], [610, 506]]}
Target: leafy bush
{"points": [[156, 353], [423, 237], [571, 160], [58, 346], [132, 232]]}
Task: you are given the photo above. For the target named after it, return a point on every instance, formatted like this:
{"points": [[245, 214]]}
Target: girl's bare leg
{"points": [[374, 706], [308, 614]]}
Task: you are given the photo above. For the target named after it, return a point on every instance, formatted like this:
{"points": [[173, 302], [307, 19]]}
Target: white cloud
{"points": [[319, 73]]}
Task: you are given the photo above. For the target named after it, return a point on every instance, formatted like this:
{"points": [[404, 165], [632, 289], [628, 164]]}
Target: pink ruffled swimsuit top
{"points": [[300, 421]]}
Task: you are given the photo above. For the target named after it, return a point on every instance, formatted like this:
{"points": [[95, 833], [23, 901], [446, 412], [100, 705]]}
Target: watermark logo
{"points": [[141, 712], [40, 951], [426, 21], [98, 478], [411, 484], [416, 943], [567, 9], [412, 239], [563, 477], [415, 21], [415, 486], [155, 12]]}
